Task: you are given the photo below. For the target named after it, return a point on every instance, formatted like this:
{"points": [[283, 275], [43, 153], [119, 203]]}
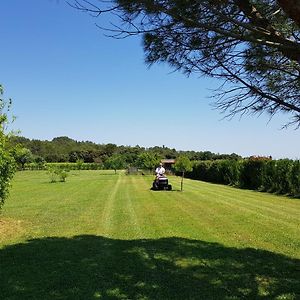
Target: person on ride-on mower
{"points": [[160, 171], [161, 181]]}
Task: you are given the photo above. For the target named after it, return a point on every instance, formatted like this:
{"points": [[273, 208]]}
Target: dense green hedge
{"points": [[7, 170], [277, 176], [65, 166]]}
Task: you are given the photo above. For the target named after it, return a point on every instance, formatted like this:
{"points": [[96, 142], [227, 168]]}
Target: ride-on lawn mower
{"points": [[161, 183]]}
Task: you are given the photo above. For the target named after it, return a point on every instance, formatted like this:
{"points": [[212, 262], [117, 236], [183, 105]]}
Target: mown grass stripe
{"points": [[269, 200], [104, 235], [253, 206], [108, 211]]}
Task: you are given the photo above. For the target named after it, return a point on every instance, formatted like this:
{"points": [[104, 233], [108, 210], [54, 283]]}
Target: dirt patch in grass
{"points": [[10, 228]]}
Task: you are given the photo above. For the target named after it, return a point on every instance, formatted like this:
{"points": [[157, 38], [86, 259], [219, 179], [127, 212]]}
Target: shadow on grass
{"points": [[93, 267]]}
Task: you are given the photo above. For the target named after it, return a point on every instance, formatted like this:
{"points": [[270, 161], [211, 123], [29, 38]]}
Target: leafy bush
{"points": [[294, 178], [282, 173], [57, 174], [229, 172], [218, 171], [200, 170], [7, 170], [7, 162], [251, 173], [62, 175], [268, 176]]}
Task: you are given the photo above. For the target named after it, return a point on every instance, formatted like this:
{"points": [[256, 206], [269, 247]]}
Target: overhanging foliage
{"points": [[253, 46]]}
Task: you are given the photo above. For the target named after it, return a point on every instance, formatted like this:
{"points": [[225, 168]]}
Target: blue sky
{"points": [[67, 79]]}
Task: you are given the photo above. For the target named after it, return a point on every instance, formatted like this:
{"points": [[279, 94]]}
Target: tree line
{"points": [[67, 150]]}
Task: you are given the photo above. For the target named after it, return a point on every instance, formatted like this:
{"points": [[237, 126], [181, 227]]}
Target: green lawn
{"points": [[106, 236]]}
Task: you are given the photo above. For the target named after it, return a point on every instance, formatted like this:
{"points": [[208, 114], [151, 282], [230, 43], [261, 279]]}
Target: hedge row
{"points": [[276, 176], [64, 166]]}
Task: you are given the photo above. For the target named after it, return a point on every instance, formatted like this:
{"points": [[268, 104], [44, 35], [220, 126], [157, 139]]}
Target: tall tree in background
{"points": [[7, 163], [252, 45], [148, 160], [22, 156]]}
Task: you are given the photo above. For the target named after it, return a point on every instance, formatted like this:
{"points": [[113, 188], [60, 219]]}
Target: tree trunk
{"points": [[181, 185]]}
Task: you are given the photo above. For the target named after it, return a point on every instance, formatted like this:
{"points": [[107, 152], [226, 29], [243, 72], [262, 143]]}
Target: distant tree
{"points": [[19, 140], [234, 156], [252, 45], [148, 160], [110, 149], [207, 155], [182, 165], [131, 153], [40, 162], [7, 162], [35, 146], [115, 162], [22, 156], [63, 140], [51, 156], [73, 156], [88, 156]]}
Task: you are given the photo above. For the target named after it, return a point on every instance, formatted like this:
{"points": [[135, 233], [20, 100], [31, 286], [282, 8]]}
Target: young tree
{"points": [[182, 165], [115, 162], [7, 163], [253, 45]]}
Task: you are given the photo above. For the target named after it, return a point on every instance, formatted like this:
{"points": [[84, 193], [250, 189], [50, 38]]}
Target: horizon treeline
{"points": [[65, 149], [255, 172]]}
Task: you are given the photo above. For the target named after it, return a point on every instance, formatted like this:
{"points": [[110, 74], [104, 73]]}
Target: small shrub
{"points": [[63, 174], [57, 174]]}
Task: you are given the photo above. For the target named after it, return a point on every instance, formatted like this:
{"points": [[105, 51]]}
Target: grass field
{"points": [[106, 236]]}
